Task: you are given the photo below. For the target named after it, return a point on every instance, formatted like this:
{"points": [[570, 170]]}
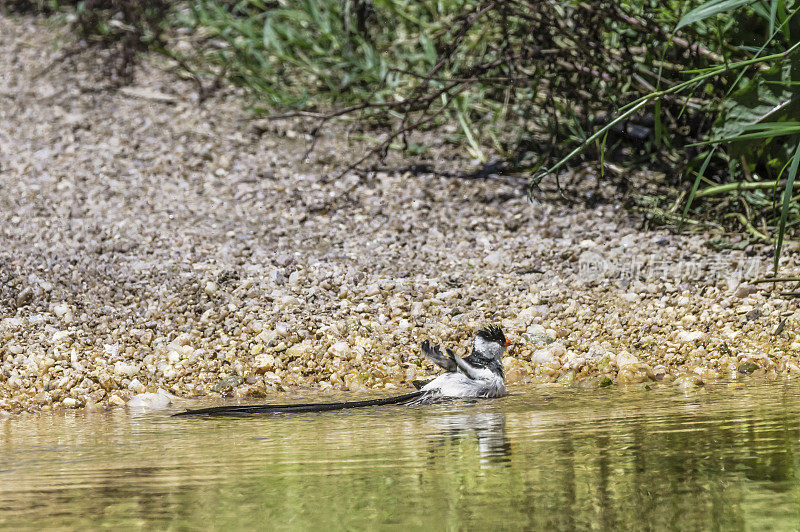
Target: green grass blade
{"points": [[773, 15], [696, 184], [787, 197]]}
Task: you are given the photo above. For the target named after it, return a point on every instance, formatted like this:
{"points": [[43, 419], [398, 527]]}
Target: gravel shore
{"points": [[147, 243]]}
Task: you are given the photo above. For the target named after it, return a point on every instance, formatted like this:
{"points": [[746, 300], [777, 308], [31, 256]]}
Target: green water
{"points": [[720, 457]]}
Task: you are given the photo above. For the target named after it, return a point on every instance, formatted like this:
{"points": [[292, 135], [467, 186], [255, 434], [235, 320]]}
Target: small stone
{"points": [[537, 338], [59, 336], [284, 259], [60, 310], [70, 402], [277, 277], [494, 259], [754, 314], [15, 349], [24, 297], [535, 329], [264, 363], [269, 337], [745, 290], [625, 359], [149, 401], [210, 288], [567, 378], [517, 375], [747, 368], [125, 369], [227, 383], [116, 400], [106, 381], [542, 356], [136, 386], [340, 348], [687, 337], [689, 381], [634, 374]]}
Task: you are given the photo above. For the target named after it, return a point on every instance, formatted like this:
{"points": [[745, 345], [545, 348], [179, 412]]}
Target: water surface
{"points": [[721, 457]]}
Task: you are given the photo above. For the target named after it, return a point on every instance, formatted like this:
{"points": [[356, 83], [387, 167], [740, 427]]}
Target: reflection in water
{"points": [[723, 458], [489, 428]]}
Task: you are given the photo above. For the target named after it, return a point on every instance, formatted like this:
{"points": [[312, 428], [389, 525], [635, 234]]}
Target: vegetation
{"points": [[705, 92]]}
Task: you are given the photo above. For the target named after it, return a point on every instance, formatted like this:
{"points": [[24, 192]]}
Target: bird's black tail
{"points": [[241, 410]]}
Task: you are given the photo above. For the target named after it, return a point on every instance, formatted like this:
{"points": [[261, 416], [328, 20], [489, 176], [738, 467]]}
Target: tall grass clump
{"points": [[755, 106], [525, 80]]}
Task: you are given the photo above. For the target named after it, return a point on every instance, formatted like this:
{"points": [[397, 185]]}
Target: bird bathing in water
{"points": [[478, 375]]}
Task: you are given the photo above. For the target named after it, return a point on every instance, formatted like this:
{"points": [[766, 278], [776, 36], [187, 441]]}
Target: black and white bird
{"points": [[478, 375]]}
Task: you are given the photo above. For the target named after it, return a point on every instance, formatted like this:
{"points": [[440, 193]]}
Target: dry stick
{"points": [[203, 92], [468, 22], [410, 103], [482, 67], [735, 187], [388, 142], [462, 31], [360, 107], [422, 103], [323, 121], [337, 112], [683, 43]]}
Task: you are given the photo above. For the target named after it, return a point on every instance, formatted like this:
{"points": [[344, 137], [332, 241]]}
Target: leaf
{"points": [[709, 9], [771, 96], [766, 130]]}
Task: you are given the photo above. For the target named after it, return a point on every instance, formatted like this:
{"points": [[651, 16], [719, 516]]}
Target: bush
{"points": [[126, 27], [525, 79]]}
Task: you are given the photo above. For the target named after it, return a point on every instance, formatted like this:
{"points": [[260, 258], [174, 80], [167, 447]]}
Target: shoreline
{"points": [[150, 243]]}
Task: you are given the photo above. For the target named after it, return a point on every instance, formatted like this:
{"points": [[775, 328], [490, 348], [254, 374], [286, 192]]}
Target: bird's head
{"points": [[490, 342]]}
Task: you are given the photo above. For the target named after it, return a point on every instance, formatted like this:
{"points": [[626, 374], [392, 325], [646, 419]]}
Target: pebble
{"points": [[745, 290], [116, 400], [211, 288], [145, 402], [277, 277], [136, 386], [69, 402], [264, 363], [692, 336], [25, 296], [494, 259], [125, 369]]}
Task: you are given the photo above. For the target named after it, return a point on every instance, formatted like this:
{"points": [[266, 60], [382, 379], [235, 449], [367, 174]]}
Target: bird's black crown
{"points": [[493, 333]]}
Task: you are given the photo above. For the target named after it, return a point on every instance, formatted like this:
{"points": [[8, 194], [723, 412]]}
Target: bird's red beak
{"points": [[508, 344]]}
